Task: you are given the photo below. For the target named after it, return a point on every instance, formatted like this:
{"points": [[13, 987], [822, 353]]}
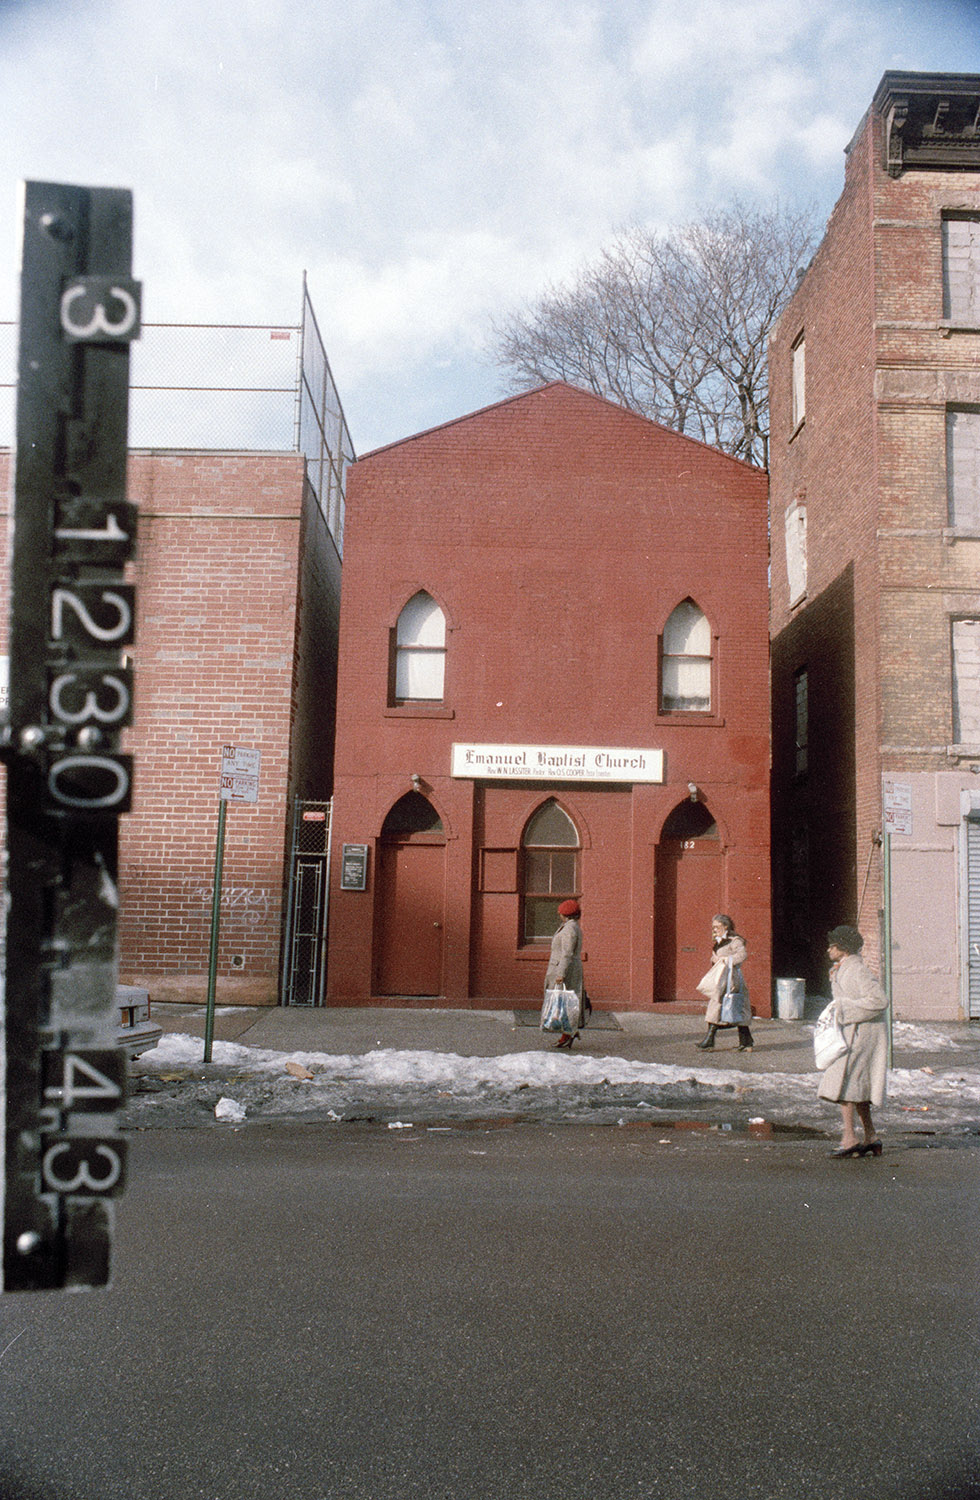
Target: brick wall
{"points": [[238, 590], [557, 532], [884, 573]]}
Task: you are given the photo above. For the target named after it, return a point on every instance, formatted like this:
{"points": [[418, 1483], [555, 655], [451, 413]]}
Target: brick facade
{"points": [[238, 585], [885, 572], [557, 533]]}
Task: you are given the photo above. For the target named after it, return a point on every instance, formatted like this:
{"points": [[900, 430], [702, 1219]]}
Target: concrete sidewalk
{"points": [[780, 1046]]}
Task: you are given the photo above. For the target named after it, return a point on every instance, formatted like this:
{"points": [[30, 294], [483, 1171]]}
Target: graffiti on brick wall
{"points": [[246, 906]]}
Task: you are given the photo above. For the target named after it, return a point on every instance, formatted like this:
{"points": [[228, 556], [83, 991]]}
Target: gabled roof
{"points": [[561, 389]]}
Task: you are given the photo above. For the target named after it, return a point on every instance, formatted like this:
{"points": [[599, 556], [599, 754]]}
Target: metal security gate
{"points": [[973, 916], [305, 949]]}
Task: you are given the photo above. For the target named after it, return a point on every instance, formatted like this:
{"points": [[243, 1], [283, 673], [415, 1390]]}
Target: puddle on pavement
{"points": [[758, 1129]]}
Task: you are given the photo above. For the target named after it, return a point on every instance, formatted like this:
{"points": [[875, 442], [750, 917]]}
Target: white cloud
{"points": [[428, 163]]}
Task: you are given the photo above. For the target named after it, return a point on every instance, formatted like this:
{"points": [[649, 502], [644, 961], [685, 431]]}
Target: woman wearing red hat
{"points": [[565, 963]]}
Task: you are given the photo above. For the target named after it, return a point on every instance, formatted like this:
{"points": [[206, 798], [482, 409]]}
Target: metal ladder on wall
{"points": [[305, 947]]}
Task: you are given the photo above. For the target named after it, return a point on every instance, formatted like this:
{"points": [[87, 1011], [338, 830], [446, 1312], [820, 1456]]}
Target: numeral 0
{"points": [[77, 767]]}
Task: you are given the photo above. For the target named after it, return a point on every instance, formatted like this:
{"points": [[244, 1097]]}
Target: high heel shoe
{"points": [[573, 1039], [872, 1148], [850, 1151], [564, 1040]]}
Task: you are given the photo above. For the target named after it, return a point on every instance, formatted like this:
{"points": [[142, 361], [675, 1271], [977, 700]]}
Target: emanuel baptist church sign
{"points": [[556, 763]]}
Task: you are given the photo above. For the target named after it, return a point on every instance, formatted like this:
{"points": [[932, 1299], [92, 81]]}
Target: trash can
{"points": [[790, 995]]}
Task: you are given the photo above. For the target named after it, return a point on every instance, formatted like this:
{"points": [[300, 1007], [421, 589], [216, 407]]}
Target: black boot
{"points": [[709, 1039], [744, 1039]]}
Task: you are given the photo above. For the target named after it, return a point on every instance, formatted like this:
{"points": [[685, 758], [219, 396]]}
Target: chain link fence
{"points": [[249, 387]]}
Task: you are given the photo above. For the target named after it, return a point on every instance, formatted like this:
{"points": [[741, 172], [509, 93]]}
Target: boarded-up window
{"points": [[966, 682], [799, 381], [963, 468], [961, 270], [796, 551]]}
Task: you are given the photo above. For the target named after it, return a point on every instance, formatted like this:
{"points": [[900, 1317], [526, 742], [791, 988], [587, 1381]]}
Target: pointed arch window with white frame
{"points": [[686, 661], [418, 666], [550, 851]]}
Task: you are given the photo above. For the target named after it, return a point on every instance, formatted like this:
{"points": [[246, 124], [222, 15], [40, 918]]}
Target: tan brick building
{"points": [[237, 580], [875, 497]]}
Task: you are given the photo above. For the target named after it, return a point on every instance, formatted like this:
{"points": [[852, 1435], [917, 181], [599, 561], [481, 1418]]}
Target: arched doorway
{"points": [[410, 910], [688, 893]]}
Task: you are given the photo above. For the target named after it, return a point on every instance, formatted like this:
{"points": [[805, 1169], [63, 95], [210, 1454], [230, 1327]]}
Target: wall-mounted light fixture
{"points": [[692, 790], [416, 781]]}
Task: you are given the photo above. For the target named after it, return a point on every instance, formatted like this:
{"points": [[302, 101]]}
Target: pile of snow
{"points": [[447, 1072]]}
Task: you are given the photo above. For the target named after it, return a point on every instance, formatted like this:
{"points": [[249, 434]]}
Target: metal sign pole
{"points": [[238, 781], [219, 857], [887, 955]]}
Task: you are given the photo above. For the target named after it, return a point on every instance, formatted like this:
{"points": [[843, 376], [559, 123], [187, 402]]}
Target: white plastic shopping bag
{"points": [[560, 1011]]}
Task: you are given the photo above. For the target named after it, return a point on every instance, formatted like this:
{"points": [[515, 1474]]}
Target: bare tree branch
{"points": [[672, 326]]}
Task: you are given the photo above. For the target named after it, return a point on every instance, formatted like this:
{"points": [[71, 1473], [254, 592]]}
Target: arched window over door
{"points": [[550, 852], [418, 665], [685, 661], [412, 813]]}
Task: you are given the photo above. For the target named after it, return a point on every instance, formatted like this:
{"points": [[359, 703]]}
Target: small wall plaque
{"points": [[353, 868]]}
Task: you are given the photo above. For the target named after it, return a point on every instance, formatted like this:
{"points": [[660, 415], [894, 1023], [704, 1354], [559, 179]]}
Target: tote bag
{"points": [[829, 1042], [733, 1005]]}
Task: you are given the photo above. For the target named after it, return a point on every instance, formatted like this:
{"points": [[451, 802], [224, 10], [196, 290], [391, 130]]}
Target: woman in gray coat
{"points": [[728, 954], [857, 1079], [565, 963]]}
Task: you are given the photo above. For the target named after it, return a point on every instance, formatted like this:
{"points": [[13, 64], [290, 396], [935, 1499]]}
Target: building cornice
{"points": [[931, 121]]}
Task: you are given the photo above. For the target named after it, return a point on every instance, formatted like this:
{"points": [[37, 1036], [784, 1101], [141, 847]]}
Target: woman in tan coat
{"points": [[857, 1079], [565, 963], [726, 947]]}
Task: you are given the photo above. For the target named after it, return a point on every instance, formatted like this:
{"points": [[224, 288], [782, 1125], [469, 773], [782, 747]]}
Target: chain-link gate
{"points": [[973, 915], [305, 949]]}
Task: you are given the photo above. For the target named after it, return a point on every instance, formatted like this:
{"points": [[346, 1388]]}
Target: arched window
{"points": [[419, 657], [549, 870], [685, 667], [411, 814]]}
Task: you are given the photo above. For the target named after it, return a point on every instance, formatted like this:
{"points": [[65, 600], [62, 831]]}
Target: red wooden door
{"points": [[411, 886], [688, 896]]}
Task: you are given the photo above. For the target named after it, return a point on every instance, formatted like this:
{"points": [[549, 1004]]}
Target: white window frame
{"points": [[418, 672], [686, 668]]}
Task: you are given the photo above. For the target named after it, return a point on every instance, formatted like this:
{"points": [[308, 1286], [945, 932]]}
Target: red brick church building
{"points": [[553, 682]]}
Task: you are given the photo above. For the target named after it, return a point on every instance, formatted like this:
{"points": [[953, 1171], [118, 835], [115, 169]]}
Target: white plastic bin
{"points": [[790, 995]]}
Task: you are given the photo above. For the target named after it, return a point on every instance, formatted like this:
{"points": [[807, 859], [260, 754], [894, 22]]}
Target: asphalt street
{"points": [[511, 1312]]}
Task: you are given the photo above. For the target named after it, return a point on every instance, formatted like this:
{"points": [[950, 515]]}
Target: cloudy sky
{"points": [[431, 163]]}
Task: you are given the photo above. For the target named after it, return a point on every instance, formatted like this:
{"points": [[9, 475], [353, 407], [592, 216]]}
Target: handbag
{"points": [[829, 1041], [733, 1000], [560, 1011]]}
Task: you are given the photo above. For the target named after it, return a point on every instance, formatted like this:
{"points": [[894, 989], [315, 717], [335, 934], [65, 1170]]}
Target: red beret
{"points": [[569, 909]]}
